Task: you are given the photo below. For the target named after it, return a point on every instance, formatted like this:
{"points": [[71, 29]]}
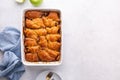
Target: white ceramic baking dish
{"points": [[55, 63]]}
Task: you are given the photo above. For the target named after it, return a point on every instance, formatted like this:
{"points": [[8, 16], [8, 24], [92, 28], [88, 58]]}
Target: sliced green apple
{"points": [[20, 1]]}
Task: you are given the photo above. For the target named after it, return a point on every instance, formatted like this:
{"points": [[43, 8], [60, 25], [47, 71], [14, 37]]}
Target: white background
{"points": [[91, 37]]}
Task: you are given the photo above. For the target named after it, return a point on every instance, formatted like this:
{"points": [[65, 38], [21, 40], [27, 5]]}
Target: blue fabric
{"points": [[11, 65]]}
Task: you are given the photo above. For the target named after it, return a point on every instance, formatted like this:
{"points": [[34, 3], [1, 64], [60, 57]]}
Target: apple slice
{"points": [[20, 1]]}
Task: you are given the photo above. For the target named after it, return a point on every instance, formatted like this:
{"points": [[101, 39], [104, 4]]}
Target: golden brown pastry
{"points": [[53, 30], [43, 41], [54, 45], [30, 42], [31, 57], [44, 56], [33, 49], [49, 22], [41, 32], [54, 16], [33, 14], [52, 53], [53, 37], [34, 33], [34, 23], [29, 33]]}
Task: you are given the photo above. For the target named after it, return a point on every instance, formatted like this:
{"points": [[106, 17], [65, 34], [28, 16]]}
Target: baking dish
{"points": [[40, 63]]}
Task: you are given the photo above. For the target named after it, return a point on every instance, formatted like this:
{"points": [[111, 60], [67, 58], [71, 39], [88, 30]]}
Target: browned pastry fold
{"points": [[34, 23], [30, 42], [54, 45], [33, 49], [54, 16], [33, 14], [34, 33], [53, 30], [49, 22], [31, 57], [42, 41], [44, 56], [41, 32], [29, 33], [52, 53], [53, 37]]}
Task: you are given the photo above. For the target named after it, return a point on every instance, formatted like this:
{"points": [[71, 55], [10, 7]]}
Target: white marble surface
{"points": [[91, 37]]}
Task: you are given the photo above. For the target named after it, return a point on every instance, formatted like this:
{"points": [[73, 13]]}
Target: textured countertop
{"points": [[91, 37]]}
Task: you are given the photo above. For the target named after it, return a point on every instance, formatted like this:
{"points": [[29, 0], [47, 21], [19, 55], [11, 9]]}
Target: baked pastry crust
{"points": [[42, 41], [54, 16], [30, 42], [52, 53], [34, 23], [44, 56], [49, 22], [31, 57], [53, 30], [53, 37], [34, 33], [33, 14], [33, 49], [54, 46], [42, 36], [29, 33], [41, 32]]}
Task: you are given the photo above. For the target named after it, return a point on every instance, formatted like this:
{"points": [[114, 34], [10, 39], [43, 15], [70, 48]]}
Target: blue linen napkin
{"points": [[11, 65]]}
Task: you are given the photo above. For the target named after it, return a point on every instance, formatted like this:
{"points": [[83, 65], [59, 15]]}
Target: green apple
{"points": [[36, 2]]}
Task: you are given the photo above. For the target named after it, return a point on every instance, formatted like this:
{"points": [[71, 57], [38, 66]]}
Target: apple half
{"points": [[36, 2]]}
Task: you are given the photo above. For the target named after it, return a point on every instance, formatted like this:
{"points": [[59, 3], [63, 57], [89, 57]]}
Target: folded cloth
{"points": [[11, 65]]}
